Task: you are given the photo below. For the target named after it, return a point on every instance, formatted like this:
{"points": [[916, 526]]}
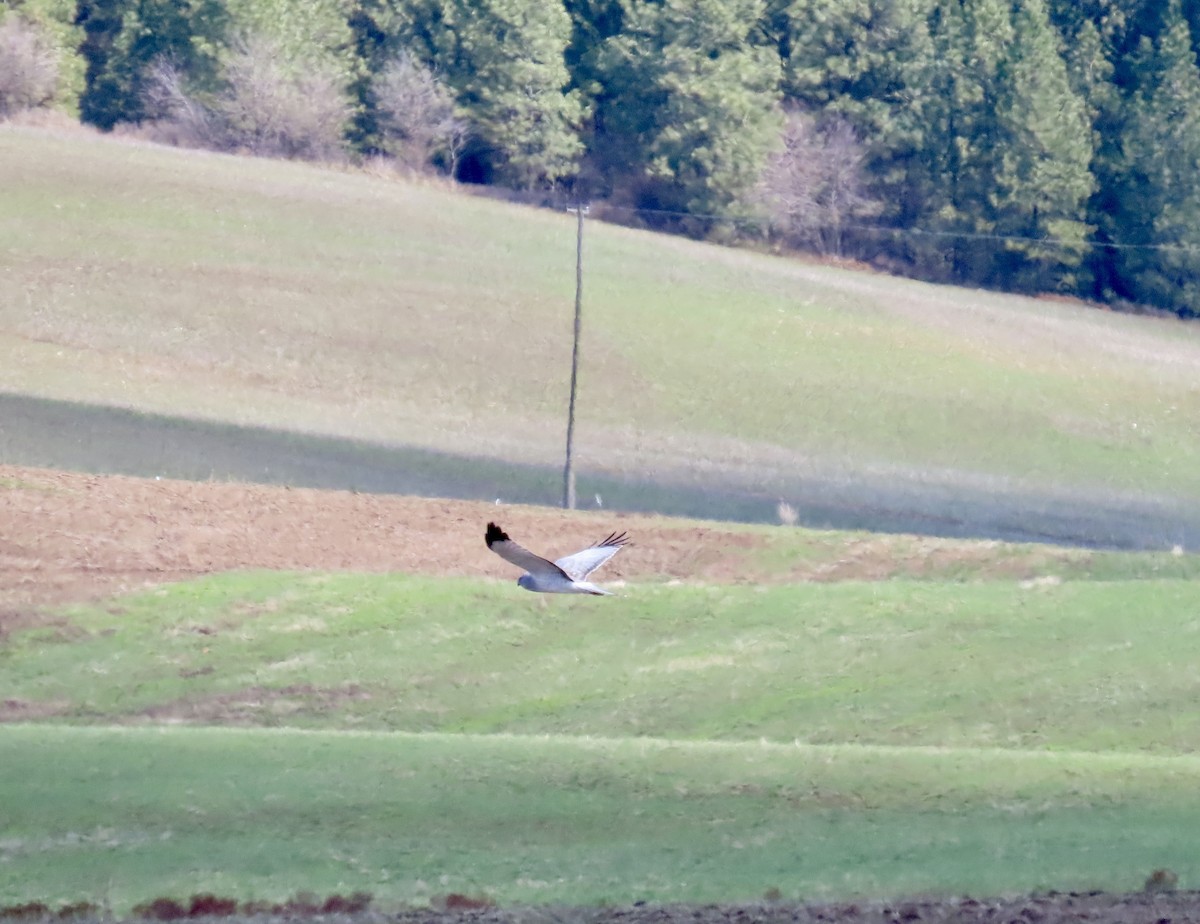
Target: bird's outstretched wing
{"points": [[578, 566], [498, 541]]}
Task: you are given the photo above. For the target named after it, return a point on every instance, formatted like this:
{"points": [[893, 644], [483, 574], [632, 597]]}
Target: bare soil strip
{"points": [[66, 536]]}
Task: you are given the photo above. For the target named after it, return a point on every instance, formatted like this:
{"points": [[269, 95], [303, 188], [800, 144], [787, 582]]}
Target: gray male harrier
{"points": [[567, 575]]}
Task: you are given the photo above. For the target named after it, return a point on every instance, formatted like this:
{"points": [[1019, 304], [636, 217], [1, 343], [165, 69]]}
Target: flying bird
{"points": [[568, 575]]}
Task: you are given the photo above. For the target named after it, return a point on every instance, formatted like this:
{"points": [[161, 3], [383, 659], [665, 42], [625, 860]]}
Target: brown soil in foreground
{"points": [[1152, 907], [1051, 908]]}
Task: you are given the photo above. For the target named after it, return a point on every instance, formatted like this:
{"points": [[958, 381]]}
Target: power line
{"points": [[922, 232]]}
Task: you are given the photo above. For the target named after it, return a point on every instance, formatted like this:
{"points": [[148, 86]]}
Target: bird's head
{"points": [[526, 581]]}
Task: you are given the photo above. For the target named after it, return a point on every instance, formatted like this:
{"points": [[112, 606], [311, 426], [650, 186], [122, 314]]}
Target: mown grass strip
{"points": [[123, 814]]}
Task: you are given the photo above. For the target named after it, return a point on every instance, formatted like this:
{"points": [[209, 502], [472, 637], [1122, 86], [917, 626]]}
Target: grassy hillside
{"points": [[120, 815], [1092, 665], [286, 295]]}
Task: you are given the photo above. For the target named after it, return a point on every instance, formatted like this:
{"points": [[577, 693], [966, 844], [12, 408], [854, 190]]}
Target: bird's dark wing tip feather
{"points": [[494, 534], [617, 539]]}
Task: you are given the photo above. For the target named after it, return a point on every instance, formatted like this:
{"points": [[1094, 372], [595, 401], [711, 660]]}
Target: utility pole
{"points": [[569, 470]]}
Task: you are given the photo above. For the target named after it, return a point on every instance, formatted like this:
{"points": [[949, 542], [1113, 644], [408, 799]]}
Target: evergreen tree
{"points": [[687, 111], [940, 179], [123, 38], [307, 33], [1134, 60], [593, 23], [854, 55], [375, 27], [1093, 32], [1001, 147], [1159, 198], [1042, 177], [504, 59]]}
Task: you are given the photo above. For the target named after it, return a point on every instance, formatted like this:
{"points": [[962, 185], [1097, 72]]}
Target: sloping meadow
{"points": [[340, 303]]}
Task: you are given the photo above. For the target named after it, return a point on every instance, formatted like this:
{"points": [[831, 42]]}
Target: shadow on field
{"points": [[108, 440]]}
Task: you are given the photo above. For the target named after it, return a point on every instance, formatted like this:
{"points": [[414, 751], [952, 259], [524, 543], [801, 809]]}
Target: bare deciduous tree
{"points": [[277, 108], [417, 115], [185, 120], [813, 187], [28, 67], [268, 106]]}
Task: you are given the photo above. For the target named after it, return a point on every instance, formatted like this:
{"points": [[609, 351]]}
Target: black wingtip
{"points": [[620, 540], [494, 534]]}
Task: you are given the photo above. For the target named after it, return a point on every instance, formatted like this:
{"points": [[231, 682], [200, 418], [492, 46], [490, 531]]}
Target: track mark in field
{"points": [[251, 705]]}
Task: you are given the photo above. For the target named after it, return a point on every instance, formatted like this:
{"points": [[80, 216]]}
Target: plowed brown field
{"points": [[67, 536]]}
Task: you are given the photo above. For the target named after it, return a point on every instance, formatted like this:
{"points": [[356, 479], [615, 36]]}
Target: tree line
{"points": [[1024, 145]]}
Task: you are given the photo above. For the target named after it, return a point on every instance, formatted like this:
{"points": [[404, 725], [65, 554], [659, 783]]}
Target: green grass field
{"points": [[118, 815], [413, 736], [1087, 665], [341, 303]]}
